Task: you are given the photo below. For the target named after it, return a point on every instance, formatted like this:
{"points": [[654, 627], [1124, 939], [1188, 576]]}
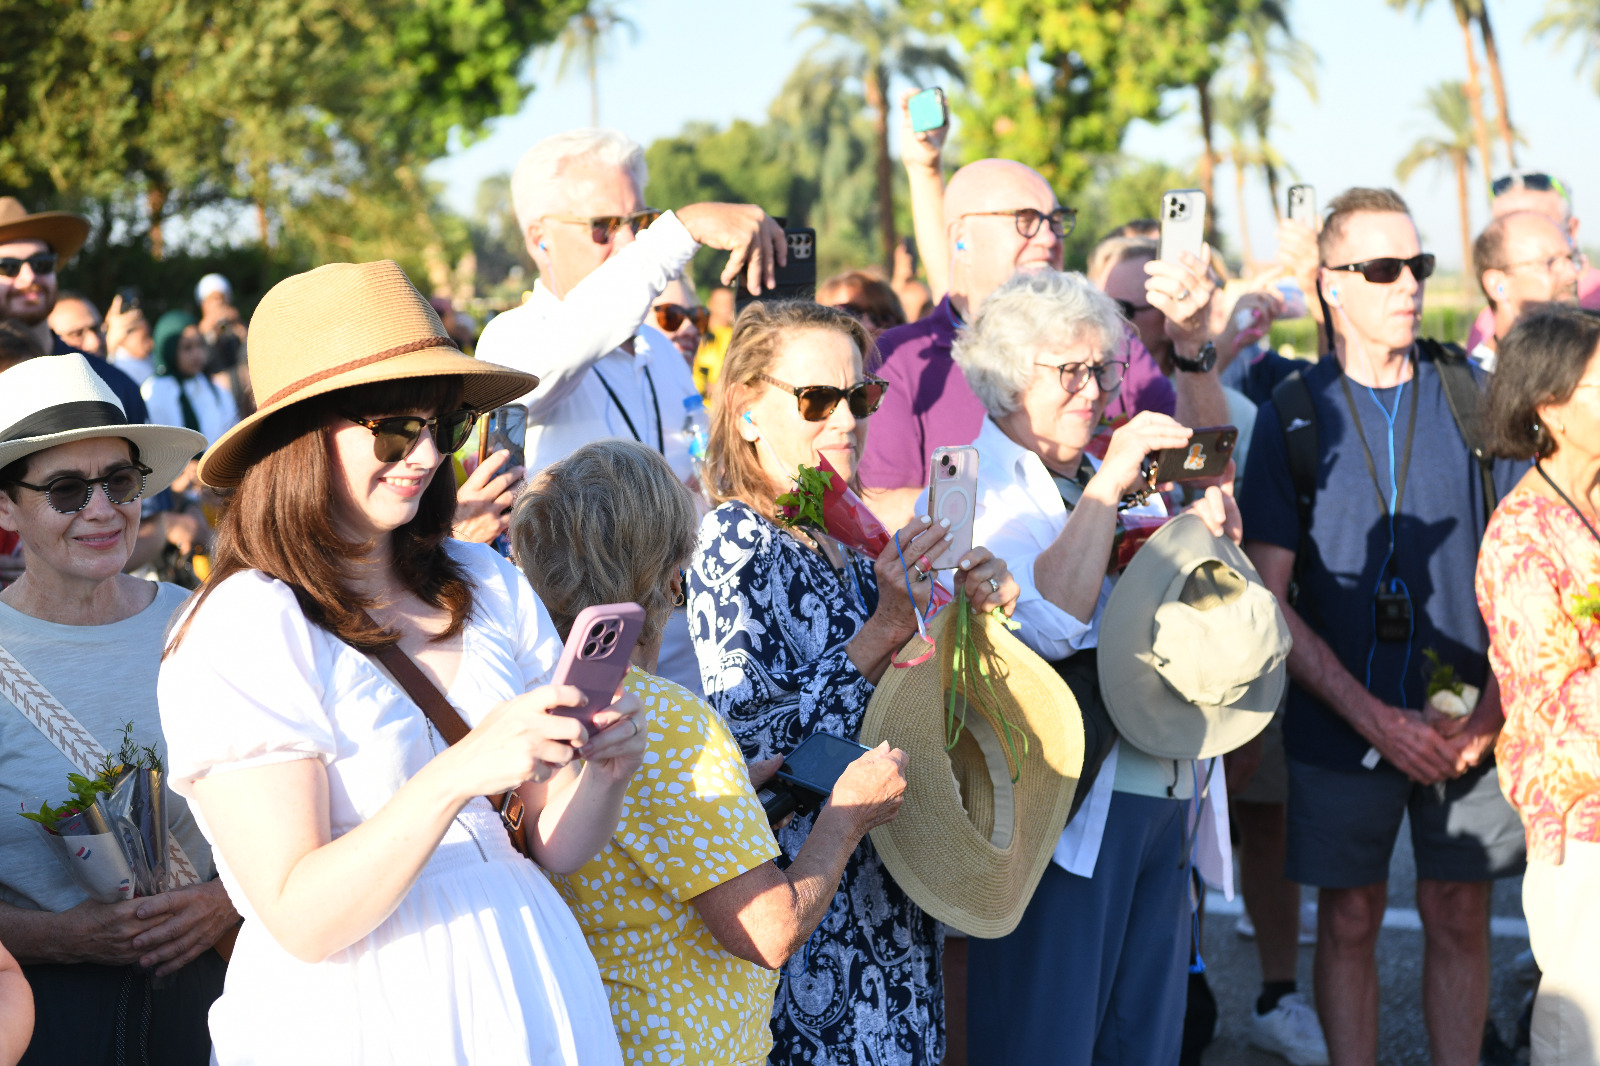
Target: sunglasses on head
{"points": [[1532, 182], [817, 402], [1387, 269], [604, 227], [671, 316], [396, 437], [70, 493], [41, 264]]}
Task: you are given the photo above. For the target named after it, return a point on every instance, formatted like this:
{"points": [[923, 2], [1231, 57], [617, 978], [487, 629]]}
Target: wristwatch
{"points": [[1203, 361]]}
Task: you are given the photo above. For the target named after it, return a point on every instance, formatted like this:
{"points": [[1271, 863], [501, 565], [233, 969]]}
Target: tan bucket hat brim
{"points": [[342, 325], [968, 845], [63, 231]]}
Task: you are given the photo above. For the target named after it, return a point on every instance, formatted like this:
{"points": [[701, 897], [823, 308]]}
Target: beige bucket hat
{"points": [[63, 231], [341, 325], [1193, 647], [969, 845]]}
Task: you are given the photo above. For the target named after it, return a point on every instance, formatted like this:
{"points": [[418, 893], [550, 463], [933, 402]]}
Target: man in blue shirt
{"points": [[1394, 532]]}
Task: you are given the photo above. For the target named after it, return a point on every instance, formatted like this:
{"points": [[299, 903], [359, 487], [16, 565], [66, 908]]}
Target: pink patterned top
{"points": [[1537, 567]]}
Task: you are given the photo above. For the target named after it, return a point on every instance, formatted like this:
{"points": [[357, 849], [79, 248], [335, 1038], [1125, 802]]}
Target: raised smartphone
{"points": [[1206, 455], [928, 110], [1303, 204], [504, 429], [595, 658], [796, 279], [952, 494], [1183, 224]]}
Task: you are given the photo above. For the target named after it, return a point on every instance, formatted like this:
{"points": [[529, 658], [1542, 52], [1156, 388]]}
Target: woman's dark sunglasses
{"points": [[70, 493], [817, 402], [42, 264], [604, 227], [670, 316], [396, 437], [1387, 269]]}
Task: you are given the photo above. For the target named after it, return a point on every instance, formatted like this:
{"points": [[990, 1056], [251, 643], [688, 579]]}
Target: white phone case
{"points": [[953, 494], [1183, 223], [1303, 204]]}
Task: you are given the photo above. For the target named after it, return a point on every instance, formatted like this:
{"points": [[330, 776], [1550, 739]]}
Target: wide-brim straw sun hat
{"points": [[341, 325], [969, 846], [63, 231], [58, 399], [1194, 648]]}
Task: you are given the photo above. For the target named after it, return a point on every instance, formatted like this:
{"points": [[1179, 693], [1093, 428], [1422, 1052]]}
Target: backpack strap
{"points": [[1462, 393], [1298, 418]]}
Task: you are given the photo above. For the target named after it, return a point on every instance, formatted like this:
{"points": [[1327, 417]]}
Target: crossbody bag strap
{"points": [[426, 695], [36, 703]]}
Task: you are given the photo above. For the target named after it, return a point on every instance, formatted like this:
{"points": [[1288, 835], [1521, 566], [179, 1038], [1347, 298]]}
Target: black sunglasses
{"points": [[43, 263], [1130, 309], [604, 227], [670, 316], [396, 437], [1062, 220], [1387, 269], [817, 402], [1074, 376], [70, 493], [1533, 182]]}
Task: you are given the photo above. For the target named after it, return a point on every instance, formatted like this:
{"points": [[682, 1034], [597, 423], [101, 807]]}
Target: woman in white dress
{"points": [[388, 917]]}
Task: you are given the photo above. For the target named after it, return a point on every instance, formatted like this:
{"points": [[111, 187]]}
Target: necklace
{"points": [[1548, 480]]}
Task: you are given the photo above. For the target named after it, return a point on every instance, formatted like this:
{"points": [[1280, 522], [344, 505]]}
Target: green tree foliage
{"points": [[1055, 83], [585, 40], [1574, 19], [1452, 143]]}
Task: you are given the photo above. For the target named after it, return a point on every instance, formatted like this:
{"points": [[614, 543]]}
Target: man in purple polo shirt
{"points": [[1002, 217]]}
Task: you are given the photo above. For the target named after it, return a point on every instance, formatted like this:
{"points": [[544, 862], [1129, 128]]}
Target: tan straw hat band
{"points": [[356, 364]]}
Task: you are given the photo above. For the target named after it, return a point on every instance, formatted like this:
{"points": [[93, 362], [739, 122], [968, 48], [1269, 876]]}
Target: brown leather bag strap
{"points": [[426, 695]]}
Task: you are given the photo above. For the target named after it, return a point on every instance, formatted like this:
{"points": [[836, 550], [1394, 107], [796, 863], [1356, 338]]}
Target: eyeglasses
{"points": [[1577, 260], [1131, 309], [671, 316], [604, 227], [1385, 270], [396, 437], [1062, 219], [817, 402], [41, 264], [1535, 182], [70, 493], [1074, 376]]}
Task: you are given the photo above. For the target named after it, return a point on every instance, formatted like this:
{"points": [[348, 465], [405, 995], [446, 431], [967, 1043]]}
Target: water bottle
{"points": [[696, 431]]}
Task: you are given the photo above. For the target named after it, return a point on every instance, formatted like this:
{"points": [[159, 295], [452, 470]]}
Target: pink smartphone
{"points": [[595, 658], [952, 494]]}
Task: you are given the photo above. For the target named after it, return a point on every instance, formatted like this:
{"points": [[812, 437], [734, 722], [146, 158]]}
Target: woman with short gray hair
{"points": [[1097, 969]]}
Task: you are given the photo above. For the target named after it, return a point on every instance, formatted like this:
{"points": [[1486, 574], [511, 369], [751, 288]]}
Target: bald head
{"points": [[1548, 202], [1523, 258], [986, 244]]}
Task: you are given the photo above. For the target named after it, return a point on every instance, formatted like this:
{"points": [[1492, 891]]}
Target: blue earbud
{"points": [[1500, 290], [748, 420], [961, 246], [1333, 295], [542, 248]]}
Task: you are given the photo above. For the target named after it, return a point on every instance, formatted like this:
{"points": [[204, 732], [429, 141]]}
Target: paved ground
{"points": [[1235, 975]]}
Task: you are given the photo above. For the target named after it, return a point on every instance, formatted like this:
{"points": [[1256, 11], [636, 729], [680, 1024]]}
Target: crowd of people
{"points": [[264, 548]]}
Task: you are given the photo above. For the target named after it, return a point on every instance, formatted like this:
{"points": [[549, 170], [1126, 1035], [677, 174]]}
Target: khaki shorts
{"points": [[1270, 784]]}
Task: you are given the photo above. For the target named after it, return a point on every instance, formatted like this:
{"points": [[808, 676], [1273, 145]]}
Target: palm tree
{"points": [[1473, 86], [1491, 56], [1265, 41], [877, 41], [1453, 144], [1234, 112], [1573, 18], [586, 39]]}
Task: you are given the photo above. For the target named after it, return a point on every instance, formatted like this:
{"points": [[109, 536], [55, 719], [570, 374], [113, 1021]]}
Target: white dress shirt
{"points": [[1019, 513], [574, 346]]}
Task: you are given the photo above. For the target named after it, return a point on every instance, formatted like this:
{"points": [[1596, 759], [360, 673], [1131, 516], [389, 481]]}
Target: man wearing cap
{"points": [[32, 248], [603, 258]]}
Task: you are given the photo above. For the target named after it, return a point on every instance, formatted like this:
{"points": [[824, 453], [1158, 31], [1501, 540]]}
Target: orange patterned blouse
{"points": [[1539, 590]]}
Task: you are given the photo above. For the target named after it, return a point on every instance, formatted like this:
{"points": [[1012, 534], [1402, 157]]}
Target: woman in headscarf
{"points": [[179, 393]]}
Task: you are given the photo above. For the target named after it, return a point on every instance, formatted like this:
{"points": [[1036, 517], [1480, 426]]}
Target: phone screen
{"points": [[505, 429], [819, 760]]}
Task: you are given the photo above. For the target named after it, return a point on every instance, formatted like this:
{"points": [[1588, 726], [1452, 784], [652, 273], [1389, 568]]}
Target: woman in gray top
{"points": [[112, 982]]}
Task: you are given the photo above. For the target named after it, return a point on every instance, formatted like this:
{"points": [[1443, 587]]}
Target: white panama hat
{"points": [[57, 399]]}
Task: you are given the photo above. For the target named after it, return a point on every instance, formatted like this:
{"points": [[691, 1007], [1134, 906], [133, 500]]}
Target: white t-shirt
{"points": [[213, 405]]}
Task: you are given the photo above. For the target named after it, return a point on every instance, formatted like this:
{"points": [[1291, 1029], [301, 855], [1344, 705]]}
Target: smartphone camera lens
{"points": [[589, 650], [608, 640], [597, 630]]}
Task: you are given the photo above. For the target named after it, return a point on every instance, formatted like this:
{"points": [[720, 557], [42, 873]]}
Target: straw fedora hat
{"points": [[969, 846], [58, 399], [1193, 647], [63, 231], [341, 325]]}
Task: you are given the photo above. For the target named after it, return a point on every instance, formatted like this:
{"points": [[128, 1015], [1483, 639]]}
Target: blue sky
{"points": [[716, 60]]}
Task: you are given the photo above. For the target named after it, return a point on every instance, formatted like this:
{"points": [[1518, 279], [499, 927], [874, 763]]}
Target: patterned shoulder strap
{"points": [[82, 750]]}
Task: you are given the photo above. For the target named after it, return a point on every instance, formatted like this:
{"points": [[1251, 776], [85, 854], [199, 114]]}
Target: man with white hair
{"points": [[603, 259]]}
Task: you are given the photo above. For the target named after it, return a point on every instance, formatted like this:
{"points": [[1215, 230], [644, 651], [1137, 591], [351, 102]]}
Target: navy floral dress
{"points": [[770, 619]]}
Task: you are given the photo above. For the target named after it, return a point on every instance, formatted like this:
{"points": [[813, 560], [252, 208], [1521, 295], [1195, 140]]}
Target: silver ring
{"points": [[1183, 294], [922, 575], [635, 722], [994, 586]]}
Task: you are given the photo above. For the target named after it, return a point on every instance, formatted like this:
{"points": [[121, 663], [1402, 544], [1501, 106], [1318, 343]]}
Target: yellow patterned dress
{"points": [[690, 822]]}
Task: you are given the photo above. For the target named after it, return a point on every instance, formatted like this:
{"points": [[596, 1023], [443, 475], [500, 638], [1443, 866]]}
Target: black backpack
{"points": [[1297, 415]]}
